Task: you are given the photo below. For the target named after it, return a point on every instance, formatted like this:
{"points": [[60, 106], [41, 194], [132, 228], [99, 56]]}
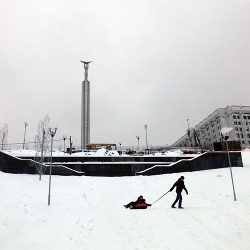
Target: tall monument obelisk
{"points": [[85, 115]]}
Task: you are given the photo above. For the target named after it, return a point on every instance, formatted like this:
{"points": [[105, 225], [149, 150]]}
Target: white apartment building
{"points": [[208, 130]]}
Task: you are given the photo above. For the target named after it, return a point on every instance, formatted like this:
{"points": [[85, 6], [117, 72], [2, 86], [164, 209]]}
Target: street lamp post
{"points": [[138, 138], [3, 139], [146, 129], [224, 133], [52, 127], [64, 138], [41, 159], [25, 126]]}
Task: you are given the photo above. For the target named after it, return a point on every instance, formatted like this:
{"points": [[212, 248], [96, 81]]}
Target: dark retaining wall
{"points": [[122, 166], [128, 158], [210, 160], [15, 165]]}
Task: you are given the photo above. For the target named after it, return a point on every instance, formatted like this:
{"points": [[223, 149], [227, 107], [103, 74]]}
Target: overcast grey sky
{"points": [[154, 62]]}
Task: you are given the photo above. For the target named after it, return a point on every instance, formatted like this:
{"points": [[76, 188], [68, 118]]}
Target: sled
{"points": [[140, 206]]}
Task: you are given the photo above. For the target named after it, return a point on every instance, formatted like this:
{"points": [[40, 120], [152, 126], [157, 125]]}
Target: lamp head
{"points": [[225, 131], [52, 127]]}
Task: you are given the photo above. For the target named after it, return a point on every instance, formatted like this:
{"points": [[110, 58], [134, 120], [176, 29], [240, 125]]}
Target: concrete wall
{"points": [[10, 164], [122, 166], [115, 158], [211, 160]]}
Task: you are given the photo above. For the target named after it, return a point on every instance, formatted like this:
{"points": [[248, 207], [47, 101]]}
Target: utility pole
{"points": [[146, 129], [25, 126], [138, 138]]}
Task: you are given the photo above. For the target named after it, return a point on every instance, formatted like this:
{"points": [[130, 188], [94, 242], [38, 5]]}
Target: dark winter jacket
{"points": [[179, 186], [141, 201]]}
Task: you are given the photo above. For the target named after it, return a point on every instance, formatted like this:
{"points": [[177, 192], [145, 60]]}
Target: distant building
{"points": [[208, 130]]}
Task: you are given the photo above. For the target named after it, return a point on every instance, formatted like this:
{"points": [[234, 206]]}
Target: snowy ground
{"points": [[87, 212], [99, 152]]}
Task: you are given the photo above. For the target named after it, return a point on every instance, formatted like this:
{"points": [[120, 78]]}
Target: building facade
{"points": [[208, 131]]}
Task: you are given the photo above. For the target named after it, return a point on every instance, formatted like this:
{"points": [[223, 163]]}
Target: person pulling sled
{"points": [[139, 204], [179, 184]]}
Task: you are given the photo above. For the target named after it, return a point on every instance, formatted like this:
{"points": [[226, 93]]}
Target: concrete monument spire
{"points": [[85, 110]]}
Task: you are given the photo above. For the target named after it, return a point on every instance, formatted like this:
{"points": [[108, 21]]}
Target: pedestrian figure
{"points": [[179, 184]]}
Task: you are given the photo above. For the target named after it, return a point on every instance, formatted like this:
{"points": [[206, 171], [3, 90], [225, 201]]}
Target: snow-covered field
{"points": [[88, 213], [99, 152]]}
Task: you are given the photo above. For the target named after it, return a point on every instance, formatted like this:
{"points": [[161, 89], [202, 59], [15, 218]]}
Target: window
{"points": [[247, 129], [236, 128], [244, 117], [239, 123], [234, 116], [238, 117], [212, 125], [240, 129], [248, 135], [238, 136], [248, 117], [235, 123], [243, 142], [242, 136]]}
